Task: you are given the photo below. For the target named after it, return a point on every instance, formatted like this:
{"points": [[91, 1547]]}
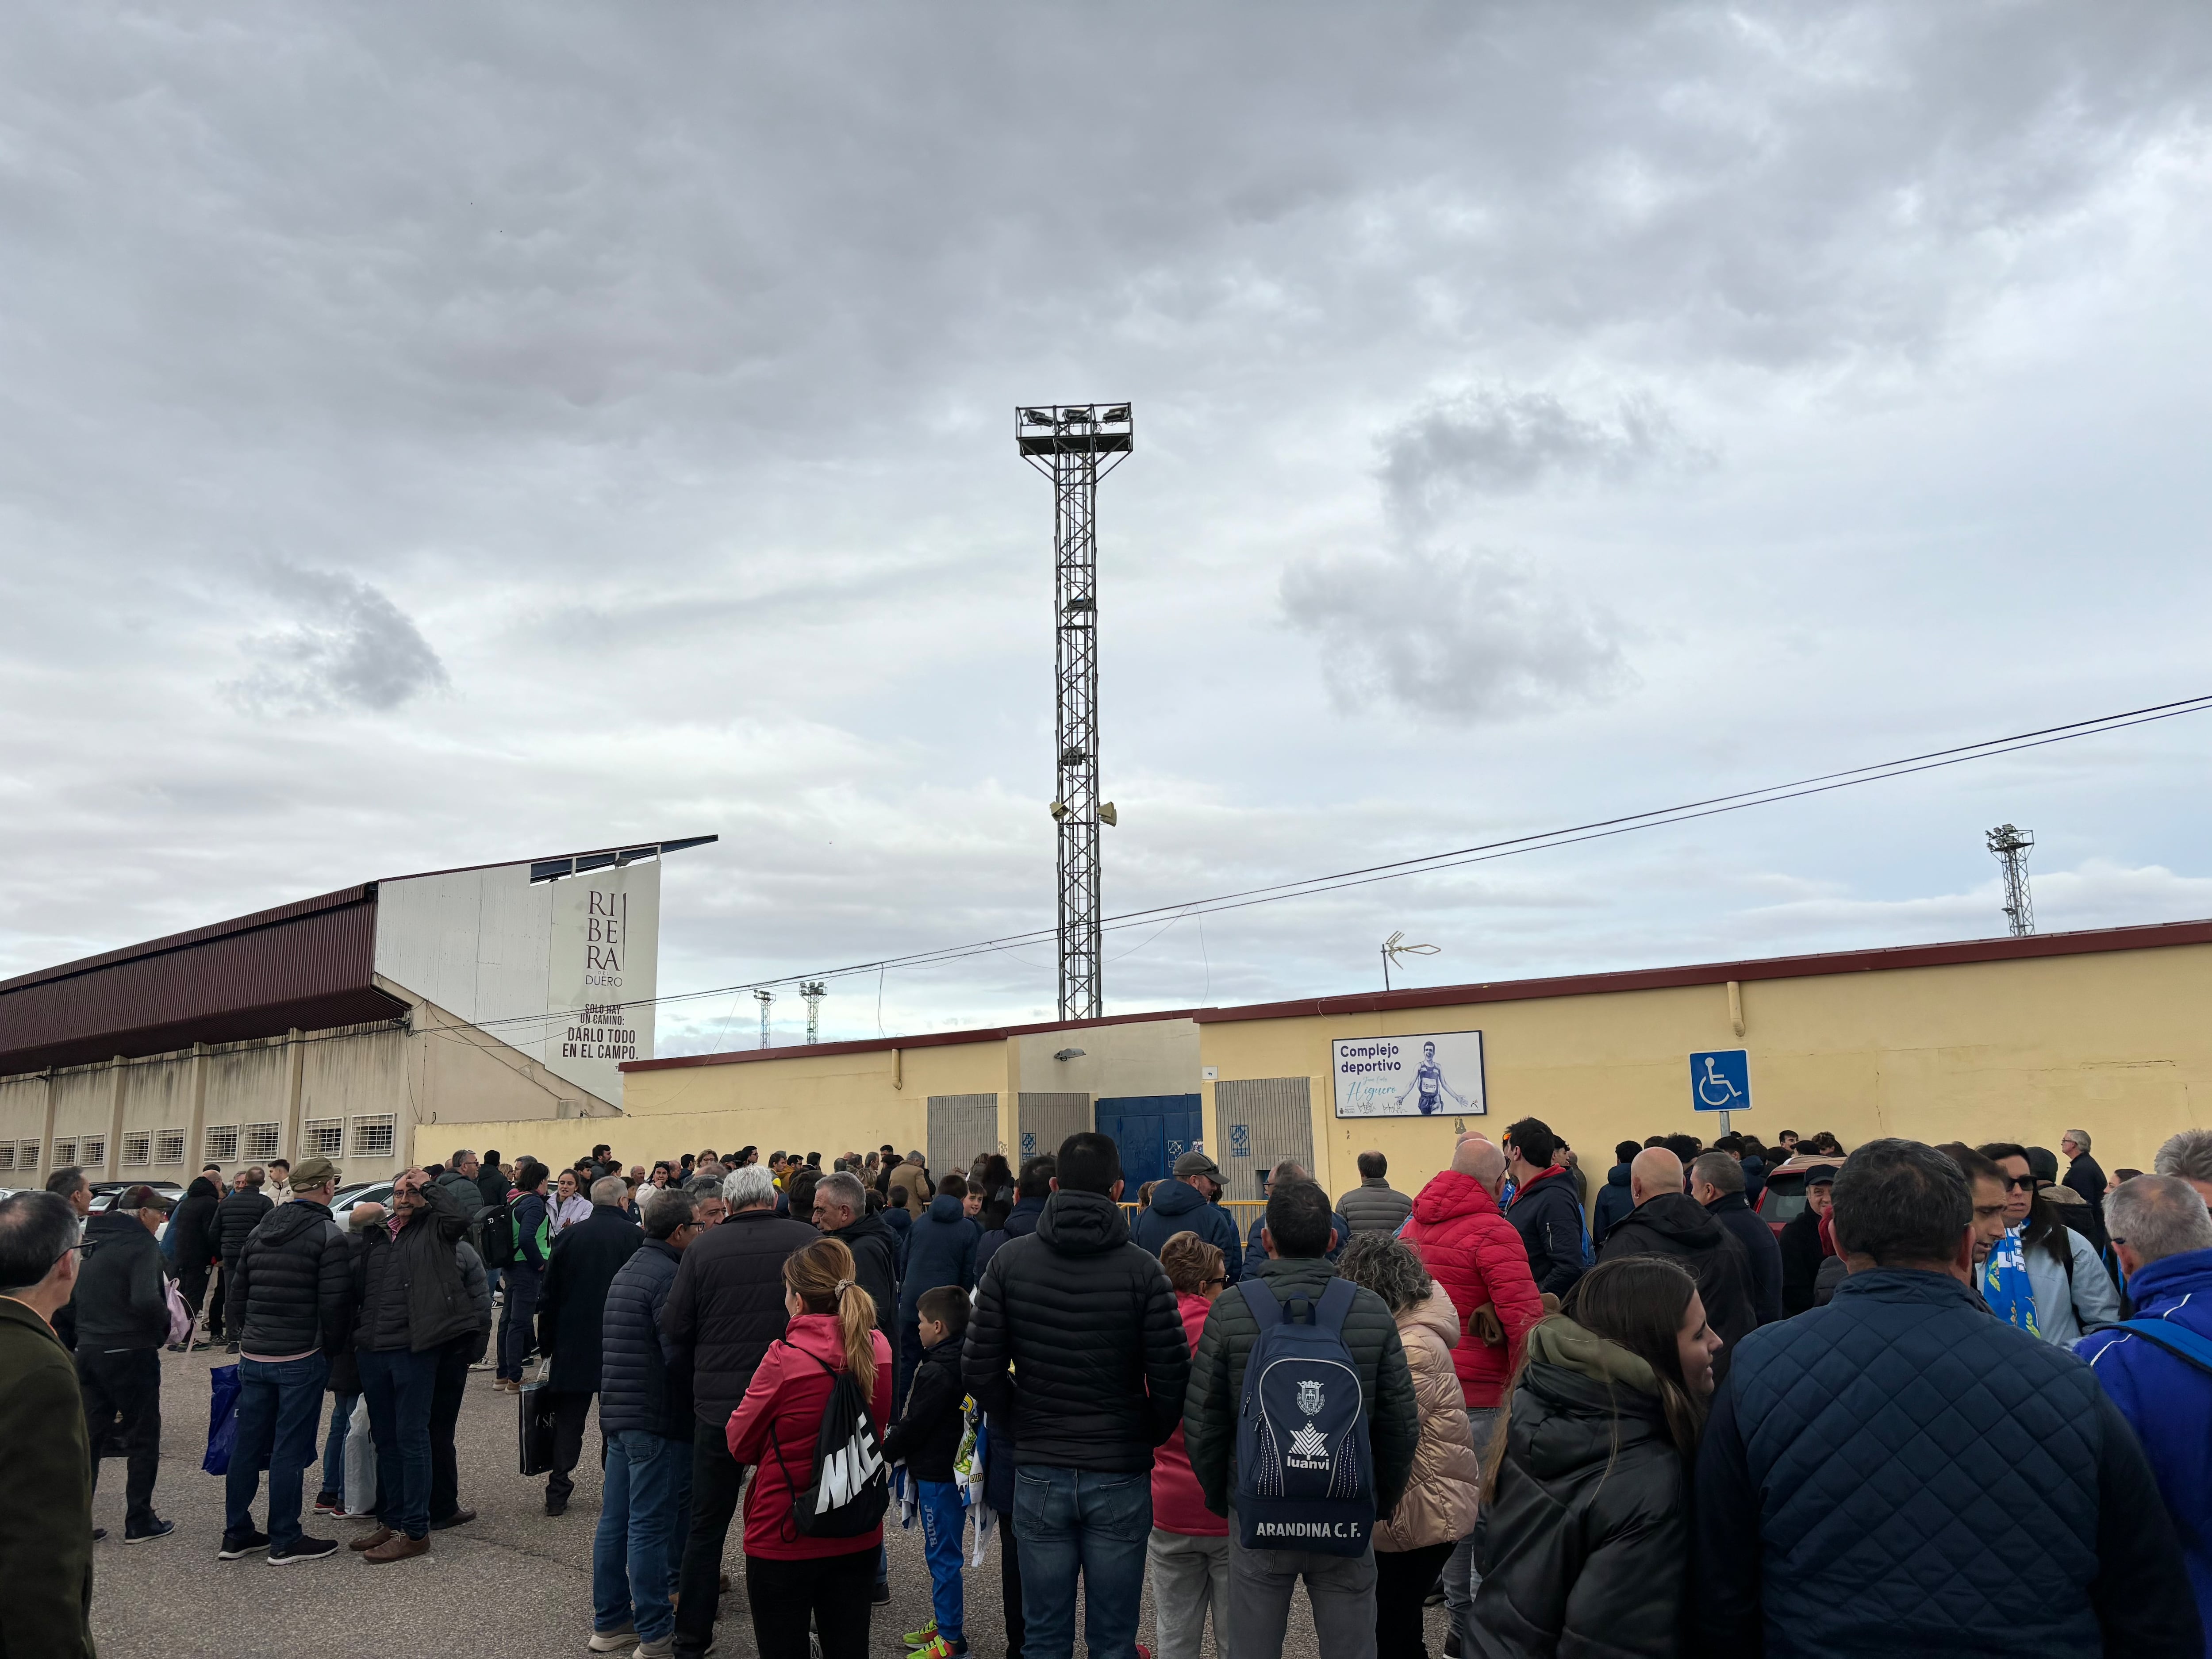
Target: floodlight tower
{"points": [[812, 991], [767, 1000], [1075, 445], [2012, 847]]}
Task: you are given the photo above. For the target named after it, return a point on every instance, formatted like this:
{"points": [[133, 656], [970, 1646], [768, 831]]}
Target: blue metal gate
{"points": [[1152, 1131]]}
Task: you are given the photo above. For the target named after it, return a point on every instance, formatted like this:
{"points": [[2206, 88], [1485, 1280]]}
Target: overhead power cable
{"points": [[1481, 852]]}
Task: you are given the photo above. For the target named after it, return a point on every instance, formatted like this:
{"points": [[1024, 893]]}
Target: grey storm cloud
{"points": [[1452, 636], [1500, 441], [346, 646]]}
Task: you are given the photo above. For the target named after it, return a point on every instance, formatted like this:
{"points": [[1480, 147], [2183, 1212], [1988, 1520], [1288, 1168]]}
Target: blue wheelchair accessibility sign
{"points": [[1720, 1080]]}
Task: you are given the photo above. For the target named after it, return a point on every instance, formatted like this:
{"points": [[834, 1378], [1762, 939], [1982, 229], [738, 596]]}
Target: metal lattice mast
{"points": [[1075, 445], [2012, 847], [767, 1000], [813, 990]]}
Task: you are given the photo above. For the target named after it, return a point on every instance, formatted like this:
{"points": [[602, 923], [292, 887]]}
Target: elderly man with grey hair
{"points": [[572, 1308], [2188, 1156], [724, 1310], [840, 1206], [2157, 1367]]}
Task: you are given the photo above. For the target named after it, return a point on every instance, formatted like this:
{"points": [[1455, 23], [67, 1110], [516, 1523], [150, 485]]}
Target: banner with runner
{"points": [[1431, 1074]]}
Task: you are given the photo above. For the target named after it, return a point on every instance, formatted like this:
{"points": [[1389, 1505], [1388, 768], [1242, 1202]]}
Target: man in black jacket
{"points": [[292, 1292], [2084, 1174], [1800, 1244], [840, 1208], [586, 1258], [122, 1324], [724, 1310], [235, 1219], [645, 1411], [412, 1300], [1716, 1182], [1088, 1322], [1667, 1221], [1294, 1241], [193, 1239], [1544, 1210]]}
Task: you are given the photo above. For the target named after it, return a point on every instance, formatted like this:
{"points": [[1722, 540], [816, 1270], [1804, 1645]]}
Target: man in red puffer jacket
{"points": [[1471, 1251]]}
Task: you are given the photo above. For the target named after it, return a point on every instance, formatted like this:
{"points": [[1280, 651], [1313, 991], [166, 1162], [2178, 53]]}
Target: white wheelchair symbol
{"points": [[1712, 1081]]}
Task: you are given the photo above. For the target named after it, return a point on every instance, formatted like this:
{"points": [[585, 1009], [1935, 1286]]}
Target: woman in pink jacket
{"points": [[1443, 1497], [1189, 1553], [791, 1575]]}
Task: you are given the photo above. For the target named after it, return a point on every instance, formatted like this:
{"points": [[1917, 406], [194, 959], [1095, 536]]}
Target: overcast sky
{"points": [[431, 435]]}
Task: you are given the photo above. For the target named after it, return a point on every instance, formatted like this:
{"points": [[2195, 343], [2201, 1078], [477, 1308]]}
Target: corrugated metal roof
{"points": [[309, 965]]}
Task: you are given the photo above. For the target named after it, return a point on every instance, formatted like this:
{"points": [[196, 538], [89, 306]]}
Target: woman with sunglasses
{"points": [[1187, 1556], [2042, 1276]]}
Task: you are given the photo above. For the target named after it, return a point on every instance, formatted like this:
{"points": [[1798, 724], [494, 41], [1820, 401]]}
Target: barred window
{"points": [[169, 1146], [64, 1154], [261, 1142], [26, 1155], [323, 1137], [138, 1148], [7, 1154], [373, 1136], [94, 1149], [222, 1144]]}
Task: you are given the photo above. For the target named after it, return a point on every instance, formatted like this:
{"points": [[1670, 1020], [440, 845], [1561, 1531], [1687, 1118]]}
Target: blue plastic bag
{"points": [[223, 1419]]}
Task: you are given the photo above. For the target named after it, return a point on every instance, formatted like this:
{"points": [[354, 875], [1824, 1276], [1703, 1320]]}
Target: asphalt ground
{"points": [[513, 1581]]}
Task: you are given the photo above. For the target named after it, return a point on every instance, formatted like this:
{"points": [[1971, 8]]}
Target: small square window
{"points": [[373, 1137], [222, 1145], [137, 1148], [94, 1149], [323, 1137], [26, 1155], [64, 1153], [169, 1146], [7, 1154], [260, 1142]]}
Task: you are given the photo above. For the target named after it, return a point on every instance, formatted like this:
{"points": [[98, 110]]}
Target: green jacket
{"points": [[1216, 1380], [46, 1526]]}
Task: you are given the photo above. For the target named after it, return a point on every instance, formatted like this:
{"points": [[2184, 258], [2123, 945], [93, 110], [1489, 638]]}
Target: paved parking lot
{"points": [[512, 1582]]}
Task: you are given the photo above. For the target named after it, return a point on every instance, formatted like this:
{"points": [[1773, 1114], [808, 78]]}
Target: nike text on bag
{"points": [[852, 1485], [1305, 1475]]}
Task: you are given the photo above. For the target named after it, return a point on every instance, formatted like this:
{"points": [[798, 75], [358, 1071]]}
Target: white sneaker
{"points": [[663, 1649], [613, 1641]]}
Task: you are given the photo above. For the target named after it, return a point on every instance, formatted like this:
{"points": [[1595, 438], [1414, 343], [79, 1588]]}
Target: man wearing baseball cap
{"points": [[1185, 1205], [122, 1325], [295, 1302]]}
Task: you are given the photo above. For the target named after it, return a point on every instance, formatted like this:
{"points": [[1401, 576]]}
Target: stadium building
{"points": [[345, 1024]]}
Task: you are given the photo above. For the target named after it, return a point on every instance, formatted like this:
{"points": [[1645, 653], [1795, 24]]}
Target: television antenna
{"points": [[1391, 949]]}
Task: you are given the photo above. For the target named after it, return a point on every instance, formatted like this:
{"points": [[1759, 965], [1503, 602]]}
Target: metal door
{"points": [[961, 1126], [1263, 1121], [1046, 1120], [1152, 1131]]}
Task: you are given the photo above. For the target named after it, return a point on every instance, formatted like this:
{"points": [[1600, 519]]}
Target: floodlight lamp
{"points": [[1035, 417], [1069, 1054], [1119, 412]]}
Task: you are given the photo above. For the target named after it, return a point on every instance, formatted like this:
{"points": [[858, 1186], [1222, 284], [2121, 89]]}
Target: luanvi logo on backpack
{"points": [[1305, 1474]]}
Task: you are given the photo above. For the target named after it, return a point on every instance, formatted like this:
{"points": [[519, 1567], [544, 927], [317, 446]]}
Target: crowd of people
{"points": [[1958, 1404]]}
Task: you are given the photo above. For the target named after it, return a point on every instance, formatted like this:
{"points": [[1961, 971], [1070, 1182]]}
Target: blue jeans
{"points": [[334, 1445], [1068, 1520], [278, 1408], [518, 1320], [645, 1515], [944, 1521], [399, 1385]]}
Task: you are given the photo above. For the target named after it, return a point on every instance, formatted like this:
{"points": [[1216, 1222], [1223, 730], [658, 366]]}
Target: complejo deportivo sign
{"points": [[1429, 1074]]}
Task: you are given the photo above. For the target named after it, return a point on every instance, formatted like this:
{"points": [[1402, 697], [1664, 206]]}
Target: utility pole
{"points": [[2012, 847], [813, 990], [1075, 445], [766, 999]]}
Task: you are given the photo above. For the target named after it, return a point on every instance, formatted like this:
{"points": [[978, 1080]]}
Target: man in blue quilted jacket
{"points": [[2163, 1237], [1899, 1473]]}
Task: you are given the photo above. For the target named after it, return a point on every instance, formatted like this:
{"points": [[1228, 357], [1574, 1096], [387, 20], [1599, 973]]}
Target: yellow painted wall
{"points": [[2119, 1043]]}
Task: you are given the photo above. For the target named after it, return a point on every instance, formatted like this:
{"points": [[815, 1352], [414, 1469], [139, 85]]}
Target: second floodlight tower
{"points": [[1075, 445]]}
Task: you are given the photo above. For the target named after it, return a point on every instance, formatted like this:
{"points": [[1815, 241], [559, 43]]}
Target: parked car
{"points": [[1784, 1200], [375, 1192]]}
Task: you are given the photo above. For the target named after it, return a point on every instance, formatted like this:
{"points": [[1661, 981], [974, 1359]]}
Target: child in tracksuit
{"points": [[926, 1439]]}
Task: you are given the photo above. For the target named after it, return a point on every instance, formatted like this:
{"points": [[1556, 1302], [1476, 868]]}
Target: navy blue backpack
{"points": [[1306, 1473]]}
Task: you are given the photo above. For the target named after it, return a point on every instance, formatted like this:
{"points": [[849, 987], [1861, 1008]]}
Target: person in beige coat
{"points": [[1413, 1542]]}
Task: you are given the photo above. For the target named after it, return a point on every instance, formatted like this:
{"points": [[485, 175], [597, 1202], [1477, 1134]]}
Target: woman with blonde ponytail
{"points": [[793, 1576]]}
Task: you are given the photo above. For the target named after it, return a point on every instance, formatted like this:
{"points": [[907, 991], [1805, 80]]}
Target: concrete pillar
{"points": [[47, 1132], [196, 1133], [114, 1148], [295, 1057]]}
